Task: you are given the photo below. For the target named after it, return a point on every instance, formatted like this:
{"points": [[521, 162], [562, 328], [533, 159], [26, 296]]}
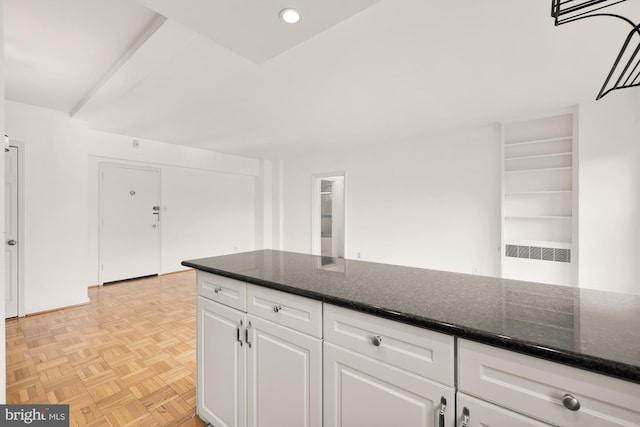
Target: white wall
{"points": [[436, 203], [609, 192], [208, 199], [433, 203], [55, 219]]}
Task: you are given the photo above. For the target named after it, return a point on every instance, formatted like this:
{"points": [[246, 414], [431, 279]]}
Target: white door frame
{"points": [[19, 145], [316, 242], [101, 166]]}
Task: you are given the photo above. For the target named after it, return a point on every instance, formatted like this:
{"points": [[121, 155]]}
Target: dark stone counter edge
{"points": [[590, 363]]}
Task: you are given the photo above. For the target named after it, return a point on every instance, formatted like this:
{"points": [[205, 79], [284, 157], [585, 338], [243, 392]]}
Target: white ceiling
{"points": [[224, 76]]}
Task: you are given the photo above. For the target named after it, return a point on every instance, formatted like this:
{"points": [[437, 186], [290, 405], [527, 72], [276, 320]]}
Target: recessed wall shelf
{"points": [[538, 156], [538, 170], [538, 200], [537, 141], [539, 217], [531, 193]]}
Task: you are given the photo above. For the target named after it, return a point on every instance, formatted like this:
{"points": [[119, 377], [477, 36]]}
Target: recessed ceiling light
{"points": [[290, 16]]}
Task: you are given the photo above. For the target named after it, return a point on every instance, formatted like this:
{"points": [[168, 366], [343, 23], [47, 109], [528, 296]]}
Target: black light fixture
{"points": [[570, 10], [625, 71]]}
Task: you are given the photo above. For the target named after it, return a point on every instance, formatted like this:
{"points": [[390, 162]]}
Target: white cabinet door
{"points": [[473, 412], [360, 391], [284, 376], [221, 363]]}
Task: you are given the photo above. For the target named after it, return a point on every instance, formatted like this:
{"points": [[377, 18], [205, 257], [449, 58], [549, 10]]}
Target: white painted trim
{"points": [[575, 205], [548, 114], [502, 248], [101, 166], [19, 145]]}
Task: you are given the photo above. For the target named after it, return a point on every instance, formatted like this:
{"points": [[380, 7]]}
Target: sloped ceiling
{"points": [[379, 72]]}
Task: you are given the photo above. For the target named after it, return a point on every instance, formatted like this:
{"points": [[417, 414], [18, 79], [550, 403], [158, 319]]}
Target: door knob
{"points": [[12, 242]]}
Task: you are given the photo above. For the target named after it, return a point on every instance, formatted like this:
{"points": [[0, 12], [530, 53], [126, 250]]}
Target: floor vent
{"points": [[534, 252]]}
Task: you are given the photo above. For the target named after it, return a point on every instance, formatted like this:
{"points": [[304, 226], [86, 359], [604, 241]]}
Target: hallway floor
{"points": [[128, 358]]}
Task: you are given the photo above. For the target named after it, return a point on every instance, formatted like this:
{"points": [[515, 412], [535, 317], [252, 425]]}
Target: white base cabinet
{"points": [[380, 373], [554, 393], [360, 391], [221, 361], [262, 362], [256, 372]]}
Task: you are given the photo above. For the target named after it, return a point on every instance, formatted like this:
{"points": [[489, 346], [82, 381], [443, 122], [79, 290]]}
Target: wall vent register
{"points": [[543, 254]]}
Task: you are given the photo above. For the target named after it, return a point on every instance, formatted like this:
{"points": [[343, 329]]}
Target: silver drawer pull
{"points": [[277, 308], [570, 402], [217, 289], [238, 333], [246, 335], [377, 340], [465, 417], [443, 408]]}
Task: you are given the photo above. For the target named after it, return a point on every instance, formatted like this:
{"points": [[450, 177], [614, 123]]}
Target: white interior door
{"points": [[129, 222], [11, 232]]}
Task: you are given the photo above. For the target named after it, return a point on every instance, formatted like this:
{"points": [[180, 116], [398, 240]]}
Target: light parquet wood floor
{"points": [[128, 358]]}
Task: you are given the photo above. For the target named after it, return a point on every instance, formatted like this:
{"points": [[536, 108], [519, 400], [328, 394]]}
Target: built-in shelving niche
{"points": [[539, 208]]}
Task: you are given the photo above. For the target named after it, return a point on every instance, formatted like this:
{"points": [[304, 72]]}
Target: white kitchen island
{"points": [[285, 342]]}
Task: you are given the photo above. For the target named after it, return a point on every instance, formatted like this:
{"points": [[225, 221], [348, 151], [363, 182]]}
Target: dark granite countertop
{"points": [[594, 330]]}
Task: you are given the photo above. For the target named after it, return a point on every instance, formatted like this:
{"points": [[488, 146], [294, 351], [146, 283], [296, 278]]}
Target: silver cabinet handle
{"points": [[465, 417], [217, 289], [377, 340], [277, 308], [246, 334], [238, 333], [570, 402], [443, 408]]}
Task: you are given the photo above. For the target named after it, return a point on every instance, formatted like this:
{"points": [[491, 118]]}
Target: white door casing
{"points": [[338, 240], [129, 222], [11, 232]]}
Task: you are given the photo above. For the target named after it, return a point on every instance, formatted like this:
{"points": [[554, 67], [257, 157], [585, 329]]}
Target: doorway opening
{"points": [[328, 210]]}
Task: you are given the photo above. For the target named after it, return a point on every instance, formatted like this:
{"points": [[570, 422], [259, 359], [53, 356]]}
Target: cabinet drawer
{"points": [[293, 311], [222, 289], [420, 351], [483, 414], [536, 387]]}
